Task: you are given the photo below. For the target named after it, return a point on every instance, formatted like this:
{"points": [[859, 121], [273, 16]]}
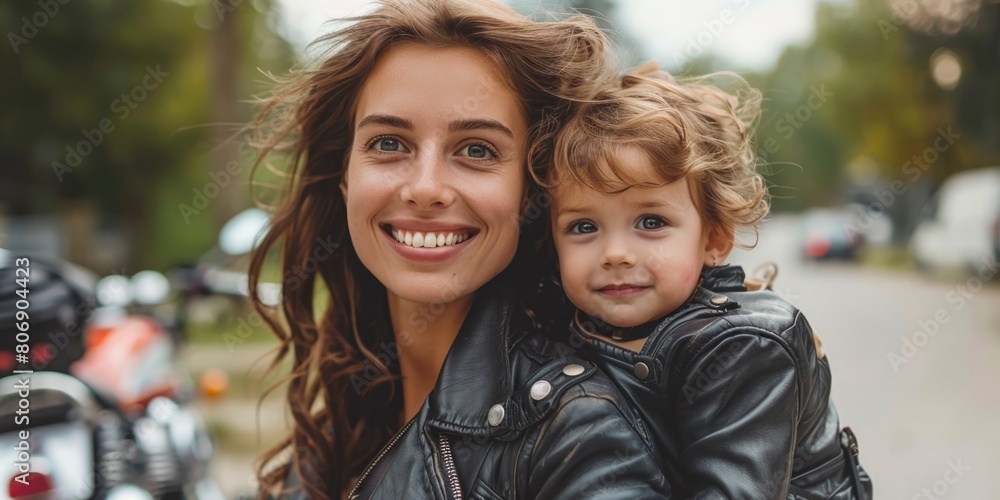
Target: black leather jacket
{"points": [[735, 397], [515, 415]]}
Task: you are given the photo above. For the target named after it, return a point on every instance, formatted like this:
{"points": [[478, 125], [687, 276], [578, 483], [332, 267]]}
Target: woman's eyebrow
{"points": [[478, 124], [455, 126], [389, 120]]}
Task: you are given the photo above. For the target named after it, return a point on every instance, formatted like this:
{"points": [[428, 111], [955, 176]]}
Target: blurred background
{"points": [[120, 152]]}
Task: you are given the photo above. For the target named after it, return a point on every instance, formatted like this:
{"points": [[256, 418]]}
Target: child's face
{"points": [[631, 257]]}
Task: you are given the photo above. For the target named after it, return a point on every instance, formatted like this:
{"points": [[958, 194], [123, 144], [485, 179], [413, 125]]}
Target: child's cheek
{"points": [[691, 274], [688, 277]]}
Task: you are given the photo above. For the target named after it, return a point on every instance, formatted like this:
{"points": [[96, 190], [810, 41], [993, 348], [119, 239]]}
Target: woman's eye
{"points": [[478, 151], [651, 222], [583, 227], [387, 144]]}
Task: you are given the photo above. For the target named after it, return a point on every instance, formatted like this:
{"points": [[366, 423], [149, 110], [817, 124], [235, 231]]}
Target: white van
{"points": [[964, 231]]}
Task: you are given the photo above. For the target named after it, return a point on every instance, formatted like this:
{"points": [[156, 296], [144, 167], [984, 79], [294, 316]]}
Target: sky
{"points": [[746, 34]]}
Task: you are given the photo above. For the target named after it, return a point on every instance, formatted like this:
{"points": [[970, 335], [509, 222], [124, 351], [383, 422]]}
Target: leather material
{"points": [[579, 441], [735, 397]]}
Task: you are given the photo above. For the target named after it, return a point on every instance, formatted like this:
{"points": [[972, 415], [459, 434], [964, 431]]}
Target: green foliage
{"points": [[884, 105], [91, 64], [881, 108]]}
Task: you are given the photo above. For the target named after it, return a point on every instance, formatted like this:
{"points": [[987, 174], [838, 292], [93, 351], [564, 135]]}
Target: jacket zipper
{"points": [[449, 467], [385, 450]]}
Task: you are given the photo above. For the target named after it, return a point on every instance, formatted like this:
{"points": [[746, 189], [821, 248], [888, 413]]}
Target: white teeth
{"points": [[427, 240]]}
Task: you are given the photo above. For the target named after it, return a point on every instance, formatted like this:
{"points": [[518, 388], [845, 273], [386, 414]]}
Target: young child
{"points": [[650, 184]]}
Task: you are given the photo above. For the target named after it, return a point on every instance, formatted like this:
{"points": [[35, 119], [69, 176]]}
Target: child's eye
{"points": [[478, 151], [583, 227], [651, 222]]}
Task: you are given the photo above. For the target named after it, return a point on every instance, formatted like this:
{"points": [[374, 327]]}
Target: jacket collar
{"points": [[596, 325], [724, 279], [476, 373]]}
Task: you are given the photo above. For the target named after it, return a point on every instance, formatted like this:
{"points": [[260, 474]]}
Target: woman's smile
{"points": [[428, 241], [418, 239], [419, 234]]}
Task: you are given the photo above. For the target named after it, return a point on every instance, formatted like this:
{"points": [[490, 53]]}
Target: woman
{"points": [[423, 377]]}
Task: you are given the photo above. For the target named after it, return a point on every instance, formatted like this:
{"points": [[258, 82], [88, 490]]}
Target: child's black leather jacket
{"points": [[736, 398]]}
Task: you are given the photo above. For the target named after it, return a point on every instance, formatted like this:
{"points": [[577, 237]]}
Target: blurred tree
{"points": [[112, 110], [859, 105]]}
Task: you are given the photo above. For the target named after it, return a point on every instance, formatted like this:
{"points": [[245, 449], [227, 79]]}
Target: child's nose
{"points": [[618, 254]]}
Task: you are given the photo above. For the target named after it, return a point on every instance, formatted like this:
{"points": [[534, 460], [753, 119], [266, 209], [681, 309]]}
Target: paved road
{"points": [[916, 367], [925, 408]]}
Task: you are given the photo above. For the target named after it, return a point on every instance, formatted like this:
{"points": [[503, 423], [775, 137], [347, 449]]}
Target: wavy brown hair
{"points": [[343, 389], [688, 128]]}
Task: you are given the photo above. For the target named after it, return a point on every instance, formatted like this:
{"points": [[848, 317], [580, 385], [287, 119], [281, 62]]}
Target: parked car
{"points": [[965, 228], [831, 233]]}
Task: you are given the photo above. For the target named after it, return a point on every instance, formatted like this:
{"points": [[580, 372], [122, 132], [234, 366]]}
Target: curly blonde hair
{"points": [[687, 129]]}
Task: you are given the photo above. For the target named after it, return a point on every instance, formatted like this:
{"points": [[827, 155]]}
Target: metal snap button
{"points": [[540, 389], [573, 370], [718, 300], [641, 370], [495, 417]]}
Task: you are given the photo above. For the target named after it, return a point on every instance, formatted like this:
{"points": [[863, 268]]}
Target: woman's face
{"points": [[436, 173]]}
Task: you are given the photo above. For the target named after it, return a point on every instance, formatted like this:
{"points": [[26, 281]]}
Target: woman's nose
{"points": [[617, 254], [427, 184]]}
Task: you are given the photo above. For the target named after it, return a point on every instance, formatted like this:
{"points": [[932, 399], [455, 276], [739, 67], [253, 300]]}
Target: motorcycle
{"points": [[99, 409]]}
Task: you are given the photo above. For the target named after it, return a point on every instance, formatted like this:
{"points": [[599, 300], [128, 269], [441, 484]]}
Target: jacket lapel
{"points": [[476, 374]]}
